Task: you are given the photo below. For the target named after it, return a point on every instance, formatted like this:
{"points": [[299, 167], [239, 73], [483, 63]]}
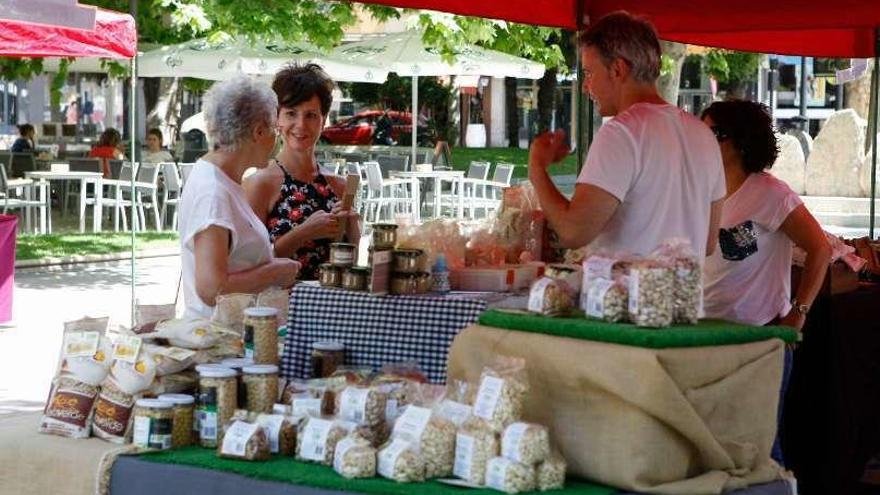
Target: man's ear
{"points": [[619, 68]]}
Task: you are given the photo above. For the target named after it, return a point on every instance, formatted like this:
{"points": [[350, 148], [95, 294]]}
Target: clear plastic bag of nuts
{"points": [[475, 444], [361, 405], [354, 458], [550, 473], [502, 392], [510, 476], [607, 300], [688, 284], [527, 443], [317, 438], [431, 436], [245, 441], [398, 460], [651, 288], [551, 297]]}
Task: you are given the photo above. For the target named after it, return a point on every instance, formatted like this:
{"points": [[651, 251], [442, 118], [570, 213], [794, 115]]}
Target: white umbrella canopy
{"points": [[225, 60], [405, 54]]}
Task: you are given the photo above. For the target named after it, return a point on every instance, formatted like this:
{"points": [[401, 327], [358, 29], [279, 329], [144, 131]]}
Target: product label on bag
{"points": [[634, 292], [596, 297], [272, 423], [353, 404], [411, 425], [111, 417], [496, 473], [454, 411], [464, 456], [236, 438], [487, 397], [389, 455], [127, 348], [69, 406], [81, 344], [598, 267], [511, 440], [306, 407], [342, 448], [314, 444], [536, 295]]}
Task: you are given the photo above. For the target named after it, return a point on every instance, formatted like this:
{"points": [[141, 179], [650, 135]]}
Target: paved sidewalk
{"points": [[46, 297]]}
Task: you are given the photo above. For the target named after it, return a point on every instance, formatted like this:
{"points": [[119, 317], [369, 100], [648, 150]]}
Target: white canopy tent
{"points": [[219, 61], [406, 55]]}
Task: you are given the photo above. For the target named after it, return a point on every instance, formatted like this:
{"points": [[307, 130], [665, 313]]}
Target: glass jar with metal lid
{"points": [[153, 420], [405, 283], [408, 260], [326, 357], [330, 275], [384, 235], [217, 402], [261, 381], [342, 254], [356, 278], [261, 334], [183, 428]]}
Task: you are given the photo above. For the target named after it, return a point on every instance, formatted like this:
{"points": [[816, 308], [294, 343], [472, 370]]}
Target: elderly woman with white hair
{"points": [[224, 246]]}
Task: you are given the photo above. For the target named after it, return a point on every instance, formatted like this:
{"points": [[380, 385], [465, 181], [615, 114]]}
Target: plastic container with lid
{"points": [[261, 334], [237, 364], [153, 420], [217, 402], [326, 357], [384, 235], [342, 254], [183, 428], [261, 381]]}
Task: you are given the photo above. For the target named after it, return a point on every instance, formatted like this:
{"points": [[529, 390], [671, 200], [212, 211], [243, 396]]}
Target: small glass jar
{"points": [[218, 392], [261, 335], [261, 381], [153, 420], [330, 275], [342, 254], [425, 283], [384, 235], [183, 427], [405, 283], [326, 357], [407, 260], [356, 278], [238, 364]]}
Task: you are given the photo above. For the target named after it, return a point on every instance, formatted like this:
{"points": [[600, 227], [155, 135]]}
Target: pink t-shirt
{"points": [[748, 278], [664, 165]]}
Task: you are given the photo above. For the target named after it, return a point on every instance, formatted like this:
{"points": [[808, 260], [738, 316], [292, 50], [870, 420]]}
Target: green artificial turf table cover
{"points": [[287, 470], [705, 333]]}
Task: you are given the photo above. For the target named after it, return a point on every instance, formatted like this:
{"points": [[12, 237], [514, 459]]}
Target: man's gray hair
{"points": [[233, 108], [633, 39]]}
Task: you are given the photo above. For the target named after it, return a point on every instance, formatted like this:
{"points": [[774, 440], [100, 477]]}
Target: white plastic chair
{"points": [[19, 193], [184, 169], [390, 195], [171, 191], [147, 186], [119, 195], [486, 195]]}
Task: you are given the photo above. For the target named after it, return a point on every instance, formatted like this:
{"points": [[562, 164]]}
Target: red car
{"points": [[359, 129]]}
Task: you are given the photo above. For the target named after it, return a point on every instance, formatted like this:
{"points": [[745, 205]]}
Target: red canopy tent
{"points": [[114, 36], [844, 28]]}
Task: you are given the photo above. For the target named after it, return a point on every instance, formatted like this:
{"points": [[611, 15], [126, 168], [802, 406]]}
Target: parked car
{"points": [[360, 129]]}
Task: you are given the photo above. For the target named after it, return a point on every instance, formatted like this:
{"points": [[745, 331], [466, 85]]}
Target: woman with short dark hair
{"points": [[25, 141], [108, 147], [155, 153], [299, 205]]}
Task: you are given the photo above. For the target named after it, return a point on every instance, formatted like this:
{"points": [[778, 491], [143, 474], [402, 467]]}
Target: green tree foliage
{"points": [[728, 66]]}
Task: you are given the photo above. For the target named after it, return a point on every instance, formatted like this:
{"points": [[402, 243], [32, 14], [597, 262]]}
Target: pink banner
{"points": [[7, 265]]}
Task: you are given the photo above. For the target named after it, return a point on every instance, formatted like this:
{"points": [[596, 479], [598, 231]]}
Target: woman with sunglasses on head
{"points": [[298, 204], [748, 280]]}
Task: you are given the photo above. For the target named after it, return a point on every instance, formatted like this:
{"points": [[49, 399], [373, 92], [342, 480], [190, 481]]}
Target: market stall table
{"points": [[376, 330], [437, 176], [84, 179], [8, 225]]}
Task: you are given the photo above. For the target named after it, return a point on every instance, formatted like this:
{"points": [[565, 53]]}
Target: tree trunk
{"points": [[668, 84], [857, 95], [511, 113], [546, 99]]}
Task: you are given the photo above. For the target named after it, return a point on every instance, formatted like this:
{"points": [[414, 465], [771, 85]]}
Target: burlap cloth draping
{"points": [[36, 464], [669, 421]]}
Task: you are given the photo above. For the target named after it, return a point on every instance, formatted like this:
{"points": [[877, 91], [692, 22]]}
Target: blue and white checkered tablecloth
{"points": [[375, 330]]}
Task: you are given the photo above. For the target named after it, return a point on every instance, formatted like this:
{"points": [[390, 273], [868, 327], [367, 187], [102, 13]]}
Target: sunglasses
{"points": [[719, 132]]}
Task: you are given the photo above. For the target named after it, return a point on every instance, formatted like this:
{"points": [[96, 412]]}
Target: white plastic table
{"points": [[84, 178]]}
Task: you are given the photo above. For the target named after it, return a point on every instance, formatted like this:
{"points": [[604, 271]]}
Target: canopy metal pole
{"points": [[133, 142], [875, 85], [579, 95], [414, 117]]}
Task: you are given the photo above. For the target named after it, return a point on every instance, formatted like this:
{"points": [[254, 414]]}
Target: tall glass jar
{"points": [[183, 427], [217, 402], [261, 335]]}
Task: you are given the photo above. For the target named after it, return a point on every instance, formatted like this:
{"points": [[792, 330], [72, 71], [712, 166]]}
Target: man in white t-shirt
{"points": [[652, 173]]}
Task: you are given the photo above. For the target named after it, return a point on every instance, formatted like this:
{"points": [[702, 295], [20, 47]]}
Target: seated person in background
{"points": [[25, 141], [155, 153], [108, 147], [299, 205], [224, 246], [748, 279]]}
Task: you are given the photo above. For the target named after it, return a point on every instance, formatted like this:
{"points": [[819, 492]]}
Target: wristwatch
{"points": [[802, 309]]}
